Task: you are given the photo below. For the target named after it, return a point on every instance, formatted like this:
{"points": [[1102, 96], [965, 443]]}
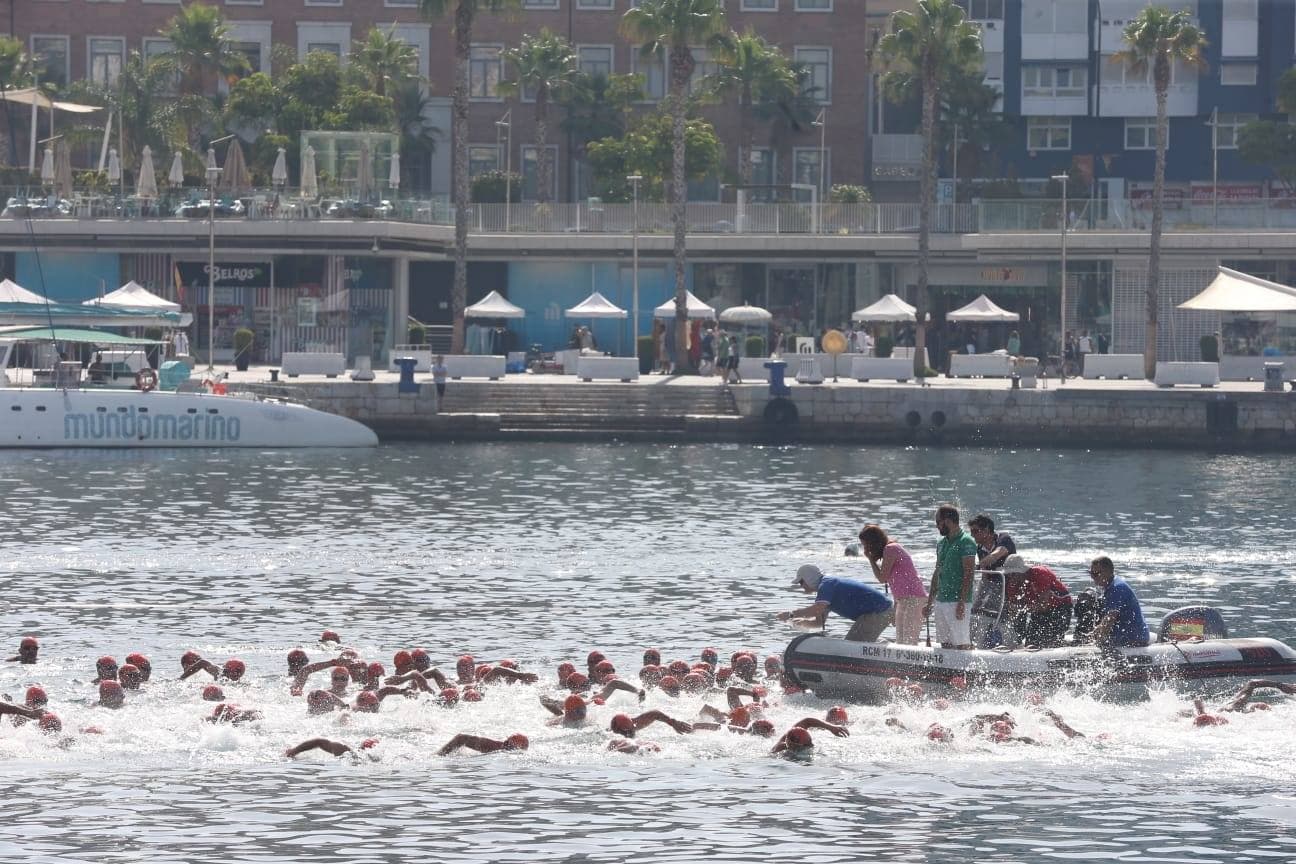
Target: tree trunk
{"points": [[544, 167], [459, 293], [746, 138], [926, 198], [681, 71], [1161, 73]]}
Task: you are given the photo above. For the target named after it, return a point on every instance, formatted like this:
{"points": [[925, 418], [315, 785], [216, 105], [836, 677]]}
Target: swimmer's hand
{"points": [[680, 726], [783, 616]]}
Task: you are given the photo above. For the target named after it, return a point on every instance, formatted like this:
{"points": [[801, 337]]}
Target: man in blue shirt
{"points": [[1121, 623], [871, 610]]}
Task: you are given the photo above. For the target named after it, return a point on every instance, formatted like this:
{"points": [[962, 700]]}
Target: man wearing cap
{"points": [[870, 610], [951, 585], [1039, 603]]}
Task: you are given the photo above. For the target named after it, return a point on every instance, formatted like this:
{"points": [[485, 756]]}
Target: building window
{"points": [[994, 65], [595, 60], [1238, 74], [763, 175], [1227, 127], [594, 4], [653, 71], [1054, 81], [155, 48], [814, 5], [244, 2], [323, 2], [818, 66], [983, 10], [531, 172], [485, 70], [251, 52], [704, 66], [760, 5], [400, 2], [50, 59], [805, 167], [1140, 133], [1054, 16], [106, 55], [1241, 10], [1048, 133], [483, 158], [333, 48], [540, 4]]}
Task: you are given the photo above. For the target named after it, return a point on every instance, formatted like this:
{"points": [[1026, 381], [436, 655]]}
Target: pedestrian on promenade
{"points": [[439, 375], [731, 370]]}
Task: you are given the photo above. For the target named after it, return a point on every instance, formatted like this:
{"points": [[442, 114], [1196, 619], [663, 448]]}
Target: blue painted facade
{"points": [[68, 277]]}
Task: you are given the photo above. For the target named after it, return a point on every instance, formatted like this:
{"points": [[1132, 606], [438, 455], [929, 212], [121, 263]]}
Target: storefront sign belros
{"points": [[226, 274], [982, 274]]}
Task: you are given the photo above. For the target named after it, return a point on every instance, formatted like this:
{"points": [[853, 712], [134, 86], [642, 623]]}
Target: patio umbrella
{"points": [[62, 169], [176, 175], [364, 173], [393, 177], [889, 308], [234, 173], [746, 314], [309, 185], [114, 166], [47, 167], [146, 187], [279, 174]]}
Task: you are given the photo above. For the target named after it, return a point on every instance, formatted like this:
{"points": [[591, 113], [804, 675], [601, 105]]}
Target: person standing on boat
{"points": [[893, 567], [993, 548], [870, 609], [1121, 623], [1040, 604], [951, 584]]}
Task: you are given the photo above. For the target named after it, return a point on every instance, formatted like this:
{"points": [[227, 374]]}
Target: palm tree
{"points": [[201, 49], [669, 28], [465, 12], [760, 75], [418, 135], [384, 62], [924, 50], [15, 71], [546, 66], [1155, 40]]}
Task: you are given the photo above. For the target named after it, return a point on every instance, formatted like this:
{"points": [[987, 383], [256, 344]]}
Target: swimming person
{"points": [[868, 608], [516, 743], [27, 651], [1121, 623], [336, 748]]}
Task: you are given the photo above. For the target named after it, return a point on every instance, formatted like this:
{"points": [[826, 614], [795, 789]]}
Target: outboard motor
{"points": [[1192, 622]]}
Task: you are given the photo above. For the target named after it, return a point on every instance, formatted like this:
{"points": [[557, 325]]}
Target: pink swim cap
{"points": [[798, 737], [450, 695], [367, 701], [573, 704], [472, 694], [837, 714], [670, 685]]}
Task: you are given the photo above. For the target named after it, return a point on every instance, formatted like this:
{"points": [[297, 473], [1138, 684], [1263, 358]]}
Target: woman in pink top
{"points": [[893, 567]]}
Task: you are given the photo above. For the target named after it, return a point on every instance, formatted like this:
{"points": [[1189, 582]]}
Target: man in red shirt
{"points": [[1042, 604]]}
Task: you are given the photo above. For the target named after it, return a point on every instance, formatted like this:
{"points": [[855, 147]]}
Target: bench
{"points": [[867, 368], [984, 365], [475, 366], [313, 363], [421, 353], [590, 367], [1112, 366], [1169, 374]]}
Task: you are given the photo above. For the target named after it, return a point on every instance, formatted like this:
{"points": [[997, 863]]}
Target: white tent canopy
{"points": [[12, 292], [695, 308], [596, 306], [1232, 291], [494, 306], [889, 308], [133, 295], [746, 314], [982, 310]]}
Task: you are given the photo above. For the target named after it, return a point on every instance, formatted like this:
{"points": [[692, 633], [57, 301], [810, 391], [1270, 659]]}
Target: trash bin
{"points": [[1273, 376], [777, 386], [407, 383]]}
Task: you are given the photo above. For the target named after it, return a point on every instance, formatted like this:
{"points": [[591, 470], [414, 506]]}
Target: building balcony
{"points": [[1055, 46], [1074, 105], [1139, 100]]}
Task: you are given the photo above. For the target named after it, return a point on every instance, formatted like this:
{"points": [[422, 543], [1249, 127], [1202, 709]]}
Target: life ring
{"points": [[146, 380]]}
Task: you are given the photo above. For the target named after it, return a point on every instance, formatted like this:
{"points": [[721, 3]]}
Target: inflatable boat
{"points": [[1196, 658]]}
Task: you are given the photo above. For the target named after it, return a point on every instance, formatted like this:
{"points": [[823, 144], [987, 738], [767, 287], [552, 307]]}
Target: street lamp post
{"points": [[1062, 178], [213, 172], [822, 122], [634, 180], [506, 123], [1213, 123]]}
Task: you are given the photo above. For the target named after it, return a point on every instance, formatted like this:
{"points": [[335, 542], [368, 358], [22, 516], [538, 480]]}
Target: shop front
{"points": [[237, 286], [805, 299]]}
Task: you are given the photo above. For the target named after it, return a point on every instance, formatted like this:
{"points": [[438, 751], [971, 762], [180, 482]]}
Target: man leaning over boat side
{"points": [[1121, 623], [869, 609], [951, 584], [993, 549]]}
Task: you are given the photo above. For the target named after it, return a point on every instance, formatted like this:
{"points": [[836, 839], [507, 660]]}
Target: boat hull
{"points": [[859, 670], [55, 418]]}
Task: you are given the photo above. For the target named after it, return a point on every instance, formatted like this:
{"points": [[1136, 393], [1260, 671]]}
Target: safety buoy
{"points": [[146, 380]]}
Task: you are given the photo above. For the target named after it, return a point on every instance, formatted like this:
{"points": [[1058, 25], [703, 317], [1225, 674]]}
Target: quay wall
{"points": [[1072, 415]]}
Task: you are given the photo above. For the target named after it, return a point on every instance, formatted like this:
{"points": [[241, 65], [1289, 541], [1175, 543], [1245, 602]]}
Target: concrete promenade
{"points": [[1231, 416]]}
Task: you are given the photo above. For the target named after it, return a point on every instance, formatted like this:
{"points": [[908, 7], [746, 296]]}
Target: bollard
{"points": [[274, 376], [407, 383], [1273, 376], [777, 386]]}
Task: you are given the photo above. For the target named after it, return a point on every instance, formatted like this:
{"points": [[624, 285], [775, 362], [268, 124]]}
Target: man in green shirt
{"points": [[951, 585]]}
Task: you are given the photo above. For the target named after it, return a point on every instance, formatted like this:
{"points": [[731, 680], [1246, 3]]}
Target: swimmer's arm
{"points": [[734, 696], [613, 686], [504, 673], [21, 711], [648, 717], [712, 727], [713, 713], [201, 666], [393, 680], [384, 692], [435, 675], [1248, 689], [553, 706], [1062, 725], [816, 723], [336, 748], [472, 742], [780, 746]]}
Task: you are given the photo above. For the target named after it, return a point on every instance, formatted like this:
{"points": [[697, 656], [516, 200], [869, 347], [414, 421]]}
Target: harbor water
{"points": [[543, 552]]}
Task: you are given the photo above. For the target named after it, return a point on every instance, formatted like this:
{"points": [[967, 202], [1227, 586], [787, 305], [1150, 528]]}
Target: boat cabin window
{"points": [[15, 407], [102, 410], [121, 410], [213, 411], [193, 410], [40, 407]]}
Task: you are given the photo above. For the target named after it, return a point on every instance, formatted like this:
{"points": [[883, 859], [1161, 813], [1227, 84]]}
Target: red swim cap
{"points": [[189, 658], [577, 681], [958, 682], [465, 665], [652, 657], [622, 724], [837, 714], [517, 741], [449, 695], [136, 659], [213, 693], [593, 658], [297, 658], [111, 694], [1210, 720], [1001, 727], [375, 671], [762, 727], [773, 661], [233, 669], [723, 674], [482, 671], [564, 669], [915, 690], [650, 674], [36, 696], [669, 685], [710, 655], [106, 667], [759, 692], [368, 743], [330, 636], [131, 677], [367, 701], [937, 732], [740, 717], [472, 694], [798, 737], [573, 704], [28, 643], [420, 659], [340, 674], [678, 667], [50, 723], [941, 704], [603, 670], [320, 700], [744, 659], [694, 683], [508, 663], [892, 683]]}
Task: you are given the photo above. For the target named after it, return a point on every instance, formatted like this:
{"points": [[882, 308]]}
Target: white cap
{"points": [[808, 575], [1014, 564]]}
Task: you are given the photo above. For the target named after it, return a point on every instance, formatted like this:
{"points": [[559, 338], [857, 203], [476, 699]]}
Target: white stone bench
{"points": [[474, 366], [313, 363], [984, 365], [1202, 374], [421, 353], [1113, 366], [868, 368], [590, 367]]}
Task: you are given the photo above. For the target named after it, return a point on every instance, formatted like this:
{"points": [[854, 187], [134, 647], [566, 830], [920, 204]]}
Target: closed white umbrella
{"points": [[146, 187], [365, 173], [47, 167], [393, 177], [309, 184], [114, 166], [62, 169], [176, 175], [746, 314], [279, 174], [234, 173]]}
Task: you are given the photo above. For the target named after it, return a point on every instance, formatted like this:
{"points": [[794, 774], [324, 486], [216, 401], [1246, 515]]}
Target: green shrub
{"points": [[754, 346], [243, 338], [644, 350], [489, 187], [884, 346], [842, 193], [1209, 349], [417, 335]]}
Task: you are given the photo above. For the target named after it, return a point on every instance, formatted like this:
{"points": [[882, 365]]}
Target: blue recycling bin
{"points": [[407, 383], [777, 387]]}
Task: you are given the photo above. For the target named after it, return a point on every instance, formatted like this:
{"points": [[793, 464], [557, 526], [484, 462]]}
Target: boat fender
{"points": [[781, 412], [146, 380]]}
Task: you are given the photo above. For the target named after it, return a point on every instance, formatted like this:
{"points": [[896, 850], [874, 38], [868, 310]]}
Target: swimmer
{"points": [[626, 726], [140, 662], [710, 656], [131, 677], [773, 667], [334, 748], [28, 648], [495, 674], [232, 670], [1061, 724], [650, 675], [227, 713], [189, 658], [593, 659], [330, 636], [1242, 700], [322, 702], [111, 695], [418, 681], [213, 693], [837, 716], [744, 666], [105, 670], [651, 657], [794, 742], [297, 660], [570, 712], [420, 660], [21, 712], [1204, 718], [403, 662], [616, 684], [338, 680], [466, 669], [515, 743]]}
